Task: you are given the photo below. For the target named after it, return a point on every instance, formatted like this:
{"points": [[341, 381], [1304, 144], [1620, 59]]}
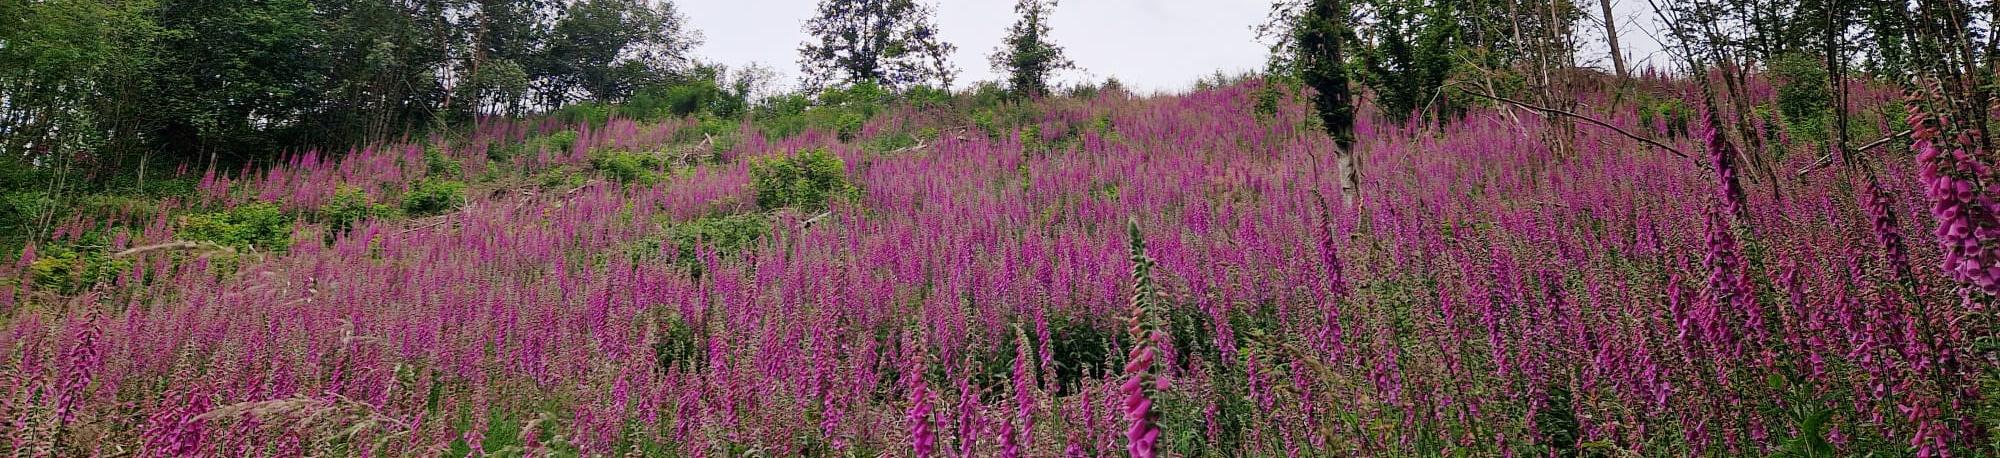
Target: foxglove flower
{"points": [[1954, 179], [1143, 436], [923, 434], [1722, 157], [1882, 220]]}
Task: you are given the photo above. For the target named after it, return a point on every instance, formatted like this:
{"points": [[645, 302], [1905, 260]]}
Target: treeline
{"points": [[120, 83], [238, 80], [1430, 60]]}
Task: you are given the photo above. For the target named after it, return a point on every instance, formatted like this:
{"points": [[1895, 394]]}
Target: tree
{"points": [[1407, 53], [233, 74], [891, 43], [606, 49], [1028, 57], [382, 60], [63, 65], [1611, 41], [1318, 38]]}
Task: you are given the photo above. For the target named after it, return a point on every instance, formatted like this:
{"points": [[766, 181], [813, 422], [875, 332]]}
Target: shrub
{"points": [[928, 97], [502, 152], [23, 207], [806, 180], [727, 234], [68, 271], [349, 206], [431, 197], [627, 166], [561, 177], [584, 113], [891, 142], [437, 164], [559, 141], [1803, 95], [681, 242], [257, 226]]}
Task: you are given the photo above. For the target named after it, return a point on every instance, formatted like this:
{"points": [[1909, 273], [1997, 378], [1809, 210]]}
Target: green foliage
{"points": [[1408, 55], [1320, 37], [628, 167], [559, 178], [681, 243], [702, 91], [256, 226], [1809, 422], [1003, 119], [1672, 112], [350, 206], [1027, 56], [891, 142], [1266, 106], [843, 110], [928, 97], [561, 141], [432, 197], [591, 113], [986, 94], [500, 83], [610, 48], [436, 164], [74, 268], [891, 43], [1804, 95], [806, 180], [1082, 352], [20, 210], [679, 347], [727, 234]]}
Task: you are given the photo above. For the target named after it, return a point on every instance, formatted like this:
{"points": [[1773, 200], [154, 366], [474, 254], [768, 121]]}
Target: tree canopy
{"points": [[890, 43], [1028, 57]]}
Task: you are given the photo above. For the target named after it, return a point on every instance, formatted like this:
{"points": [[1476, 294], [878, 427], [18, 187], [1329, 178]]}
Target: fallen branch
{"points": [[1587, 119], [920, 145], [174, 245], [1828, 158], [809, 221]]}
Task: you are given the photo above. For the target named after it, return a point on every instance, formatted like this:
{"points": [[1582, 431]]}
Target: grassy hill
{"points": [[957, 275]]}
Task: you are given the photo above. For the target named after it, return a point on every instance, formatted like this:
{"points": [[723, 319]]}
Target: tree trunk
{"points": [[1611, 38], [1350, 174]]}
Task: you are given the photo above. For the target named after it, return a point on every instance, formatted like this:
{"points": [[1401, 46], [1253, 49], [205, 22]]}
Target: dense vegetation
{"points": [[578, 242]]}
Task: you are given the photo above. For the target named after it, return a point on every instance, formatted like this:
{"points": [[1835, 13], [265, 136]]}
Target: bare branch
{"points": [[174, 245], [1587, 119], [1828, 158]]}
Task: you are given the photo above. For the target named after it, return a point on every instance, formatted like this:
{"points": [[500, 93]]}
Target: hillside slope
{"points": [[963, 283]]}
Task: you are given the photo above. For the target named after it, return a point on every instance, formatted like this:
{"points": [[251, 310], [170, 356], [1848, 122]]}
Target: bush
{"points": [[559, 178], [1803, 95], [560, 141], [349, 206], [681, 243], [431, 197], [69, 270], [627, 166], [928, 97], [806, 180], [584, 113], [257, 226], [727, 234], [891, 142], [436, 164]]}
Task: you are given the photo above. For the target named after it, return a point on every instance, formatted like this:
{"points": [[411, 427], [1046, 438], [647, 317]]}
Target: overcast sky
{"points": [[1150, 45]]}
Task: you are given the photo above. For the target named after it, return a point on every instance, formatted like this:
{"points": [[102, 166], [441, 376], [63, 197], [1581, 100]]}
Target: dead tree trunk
{"points": [[1611, 39]]}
